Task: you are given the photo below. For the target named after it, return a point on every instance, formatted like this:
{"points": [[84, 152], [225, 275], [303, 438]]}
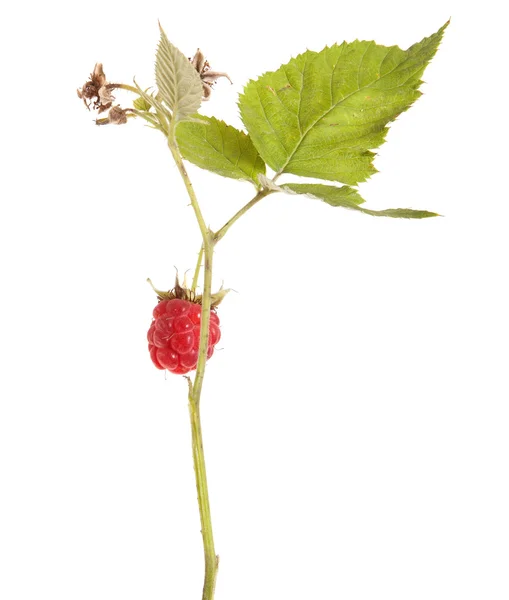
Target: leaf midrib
{"points": [[282, 169]]}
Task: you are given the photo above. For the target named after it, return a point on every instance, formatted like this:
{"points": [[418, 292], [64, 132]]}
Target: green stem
{"points": [[211, 559], [172, 143], [123, 86], [197, 270], [206, 303], [206, 253], [261, 194]]}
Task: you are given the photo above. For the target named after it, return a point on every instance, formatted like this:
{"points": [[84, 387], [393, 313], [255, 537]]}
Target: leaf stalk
{"points": [[220, 233]]}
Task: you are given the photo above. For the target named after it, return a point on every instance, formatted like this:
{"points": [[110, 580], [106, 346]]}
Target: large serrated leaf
{"points": [[321, 114], [347, 197], [179, 84], [220, 148]]}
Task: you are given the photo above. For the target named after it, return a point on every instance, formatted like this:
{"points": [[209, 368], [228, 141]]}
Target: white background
{"points": [[356, 416]]}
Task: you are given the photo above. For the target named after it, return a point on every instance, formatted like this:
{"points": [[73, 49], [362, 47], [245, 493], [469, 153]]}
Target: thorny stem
{"points": [[197, 270], [211, 559], [206, 253], [206, 302], [172, 143], [123, 86]]}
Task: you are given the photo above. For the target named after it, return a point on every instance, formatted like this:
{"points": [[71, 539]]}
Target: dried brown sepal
{"points": [[198, 61], [207, 90], [208, 77], [96, 92], [183, 293], [103, 107]]}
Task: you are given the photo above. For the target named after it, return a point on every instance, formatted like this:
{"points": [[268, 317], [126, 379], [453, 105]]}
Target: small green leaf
{"points": [[152, 100], [161, 119], [178, 81], [348, 197], [141, 104], [213, 145], [321, 114]]}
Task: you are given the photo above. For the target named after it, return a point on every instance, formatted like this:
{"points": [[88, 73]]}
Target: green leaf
{"points": [[162, 116], [213, 145], [179, 84], [141, 104], [152, 100], [321, 114], [347, 197]]}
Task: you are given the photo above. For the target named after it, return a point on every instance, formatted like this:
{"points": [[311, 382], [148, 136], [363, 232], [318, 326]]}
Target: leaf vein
{"points": [[360, 65], [299, 142], [268, 122]]}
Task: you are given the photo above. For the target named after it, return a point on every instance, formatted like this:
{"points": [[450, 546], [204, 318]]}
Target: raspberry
{"points": [[174, 335]]}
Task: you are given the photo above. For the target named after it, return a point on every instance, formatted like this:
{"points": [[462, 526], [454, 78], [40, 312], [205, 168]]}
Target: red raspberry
{"points": [[174, 336]]}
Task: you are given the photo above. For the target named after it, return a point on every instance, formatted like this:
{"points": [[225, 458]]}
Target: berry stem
{"points": [[206, 303], [197, 270], [207, 251]]}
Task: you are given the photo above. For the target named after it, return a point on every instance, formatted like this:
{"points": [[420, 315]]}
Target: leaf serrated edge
{"points": [[435, 38], [398, 213], [193, 88], [241, 136]]}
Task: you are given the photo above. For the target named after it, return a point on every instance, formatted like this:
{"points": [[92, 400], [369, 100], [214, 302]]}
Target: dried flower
{"points": [[116, 116], [98, 90], [208, 77]]}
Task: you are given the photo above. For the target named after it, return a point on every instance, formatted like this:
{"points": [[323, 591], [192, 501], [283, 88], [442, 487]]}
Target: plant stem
{"points": [[221, 232], [211, 559], [172, 143], [206, 253], [124, 86], [197, 270]]}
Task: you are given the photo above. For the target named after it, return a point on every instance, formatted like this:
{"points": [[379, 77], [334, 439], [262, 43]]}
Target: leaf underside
{"points": [[220, 148], [321, 114], [348, 197], [178, 81]]}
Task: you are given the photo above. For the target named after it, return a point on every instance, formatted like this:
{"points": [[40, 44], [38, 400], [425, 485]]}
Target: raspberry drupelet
{"points": [[174, 335]]}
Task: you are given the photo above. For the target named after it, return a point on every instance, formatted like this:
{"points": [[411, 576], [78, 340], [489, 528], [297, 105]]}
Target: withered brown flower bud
{"points": [[98, 90], [117, 115], [208, 77]]}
